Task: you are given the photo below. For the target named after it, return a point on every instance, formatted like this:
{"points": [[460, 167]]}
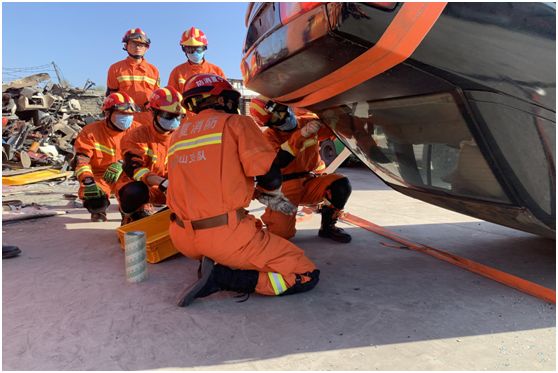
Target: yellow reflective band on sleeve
{"points": [[320, 167], [210, 139], [136, 78], [105, 149], [83, 169], [286, 147], [139, 173], [308, 143], [151, 154], [279, 286]]}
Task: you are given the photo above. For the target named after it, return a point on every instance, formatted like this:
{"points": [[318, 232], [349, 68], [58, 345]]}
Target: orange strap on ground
{"points": [[515, 282], [404, 34]]}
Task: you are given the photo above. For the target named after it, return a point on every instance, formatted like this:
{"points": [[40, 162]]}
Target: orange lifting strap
{"points": [[515, 282], [404, 34]]}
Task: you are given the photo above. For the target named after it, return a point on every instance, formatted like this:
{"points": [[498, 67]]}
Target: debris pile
{"points": [[41, 119]]}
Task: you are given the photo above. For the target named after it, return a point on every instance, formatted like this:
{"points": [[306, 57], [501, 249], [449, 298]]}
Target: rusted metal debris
{"points": [[41, 120]]}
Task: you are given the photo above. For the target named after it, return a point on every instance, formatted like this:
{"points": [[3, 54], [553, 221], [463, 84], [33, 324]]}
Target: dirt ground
{"points": [[66, 304]]}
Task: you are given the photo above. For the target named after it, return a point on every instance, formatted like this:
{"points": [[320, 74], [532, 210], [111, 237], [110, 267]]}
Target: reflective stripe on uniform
{"points": [[286, 147], [210, 139], [136, 78], [151, 154], [105, 149], [279, 286], [83, 169], [140, 173]]}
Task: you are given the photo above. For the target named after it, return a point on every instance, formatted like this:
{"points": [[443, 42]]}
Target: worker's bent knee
{"points": [[300, 287], [133, 196], [340, 190]]}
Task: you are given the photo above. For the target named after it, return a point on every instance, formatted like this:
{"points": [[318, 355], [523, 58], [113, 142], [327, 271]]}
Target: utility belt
{"points": [[296, 175], [212, 222]]}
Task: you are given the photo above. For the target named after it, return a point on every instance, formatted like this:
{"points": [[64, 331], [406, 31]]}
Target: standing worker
{"points": [[144, 151], [194, 45], [134, 75], [300, 136], [97, 148], [213, 159]]}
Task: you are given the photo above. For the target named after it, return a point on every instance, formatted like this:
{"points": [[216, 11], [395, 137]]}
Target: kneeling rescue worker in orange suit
{"points": [[144, 151], [300, 136], [134, 75], [97, 148], [213, 159]]}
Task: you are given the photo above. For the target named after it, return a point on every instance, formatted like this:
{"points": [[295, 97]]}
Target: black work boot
{"points": [[9, 251], [99, 216], [216, 277], [328, 228], [134, 216]]}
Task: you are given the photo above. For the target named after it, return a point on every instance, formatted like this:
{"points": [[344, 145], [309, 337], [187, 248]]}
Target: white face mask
{"points": [[196, 57], [169, 124], [122, 121], [290, 122]]}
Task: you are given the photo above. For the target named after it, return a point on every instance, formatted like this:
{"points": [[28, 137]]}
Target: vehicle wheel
{"points": [[327, 151]]}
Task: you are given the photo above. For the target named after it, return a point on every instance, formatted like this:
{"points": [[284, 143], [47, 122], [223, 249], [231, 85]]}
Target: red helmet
{"points": [[194, 37], [258, 110], [120, 101], [268, 112], [136, 34], [166, 99], [201, 90]]}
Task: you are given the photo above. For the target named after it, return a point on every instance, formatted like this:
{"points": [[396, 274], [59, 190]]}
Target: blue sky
{"points": [[84, 39]]}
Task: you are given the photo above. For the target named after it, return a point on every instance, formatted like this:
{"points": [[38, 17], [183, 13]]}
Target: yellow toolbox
{"points": [[156, 227]]}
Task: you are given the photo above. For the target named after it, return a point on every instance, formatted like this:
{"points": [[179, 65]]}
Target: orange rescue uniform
{"points": [[138, 80], [181, 73], [308, 186], [213, 160], [101, 144], [151, 146]]}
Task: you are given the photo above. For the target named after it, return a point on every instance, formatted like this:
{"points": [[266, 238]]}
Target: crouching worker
{"points": [[300, 137], [213, 160], [144, 150], [97, 162]]}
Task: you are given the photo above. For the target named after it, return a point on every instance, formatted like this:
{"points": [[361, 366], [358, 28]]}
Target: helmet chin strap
{"points": [[135, 56], [158, 127], [109, 122]]}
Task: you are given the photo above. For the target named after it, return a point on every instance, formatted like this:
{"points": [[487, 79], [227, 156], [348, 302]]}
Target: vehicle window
{"points": [[421, 141]]}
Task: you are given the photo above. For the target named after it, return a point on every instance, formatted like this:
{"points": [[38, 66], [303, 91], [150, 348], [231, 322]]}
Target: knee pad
{"points": [[300, 287], [338, 192], [132, 196], [96, 205]]}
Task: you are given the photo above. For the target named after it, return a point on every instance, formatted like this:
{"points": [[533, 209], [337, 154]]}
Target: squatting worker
{"points": [[134, 75], [213, 160], [303, 184], [97, 161], [144, 151], [194, 45]]}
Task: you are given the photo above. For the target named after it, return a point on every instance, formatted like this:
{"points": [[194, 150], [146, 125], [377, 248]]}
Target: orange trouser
{"points": [[245, 245], [303, 191], [106, 187]]}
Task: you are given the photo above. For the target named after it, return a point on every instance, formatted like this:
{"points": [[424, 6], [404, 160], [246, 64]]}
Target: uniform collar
{"points": [[132, 62]]}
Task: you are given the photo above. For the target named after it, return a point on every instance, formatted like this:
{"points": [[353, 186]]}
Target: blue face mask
{"points": [[169, 124], [122, 121], [196, 57], [290, 122]]}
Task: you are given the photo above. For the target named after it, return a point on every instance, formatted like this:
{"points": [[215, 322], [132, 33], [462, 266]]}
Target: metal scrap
{"points": [[41, 120]]}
